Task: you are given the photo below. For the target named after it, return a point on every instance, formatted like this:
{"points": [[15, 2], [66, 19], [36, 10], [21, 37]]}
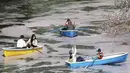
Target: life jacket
{"points": [[100, 55]]}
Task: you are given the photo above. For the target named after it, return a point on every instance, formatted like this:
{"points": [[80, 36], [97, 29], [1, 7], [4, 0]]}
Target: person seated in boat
{"points": [[68, 25], [21, 43], [72, 54], [80, 59], [32, 42], [99, 54]]}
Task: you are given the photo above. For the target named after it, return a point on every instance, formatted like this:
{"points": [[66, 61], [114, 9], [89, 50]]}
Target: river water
{"points": [[39, 16]]}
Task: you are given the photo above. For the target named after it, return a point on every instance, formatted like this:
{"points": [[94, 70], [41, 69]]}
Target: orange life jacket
{"points": [[100, 55]]}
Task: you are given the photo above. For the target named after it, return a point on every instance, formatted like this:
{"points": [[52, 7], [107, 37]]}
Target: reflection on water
{"points": [[85, 12]]}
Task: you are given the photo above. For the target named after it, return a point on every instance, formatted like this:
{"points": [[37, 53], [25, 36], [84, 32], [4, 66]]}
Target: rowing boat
{"points": [[14, 51], [69, 33], [108, 59]]}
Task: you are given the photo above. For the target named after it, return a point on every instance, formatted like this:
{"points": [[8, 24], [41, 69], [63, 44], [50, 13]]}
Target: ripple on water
{"points": [[50, 41], [77, 46], [42, 69], [8, 68], [50, 49], [10, 24], [89, 8], [41, 63]]}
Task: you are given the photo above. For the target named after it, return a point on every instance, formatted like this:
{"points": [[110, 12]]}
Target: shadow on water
{"points": [[97, 22], [89, 1], [50, 49], [89, 29], [7, 37], [90, 8], [7, 44], [114, 64], [8, 68], [51, 41], [42, 69], [28, 59], [8, 25], [41, 63], [83, 34], [42, 30]]}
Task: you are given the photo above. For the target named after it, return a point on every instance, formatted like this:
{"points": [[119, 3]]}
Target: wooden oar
{"points": [[55, 30], [92, 63], [81, 28], [39, 51]]}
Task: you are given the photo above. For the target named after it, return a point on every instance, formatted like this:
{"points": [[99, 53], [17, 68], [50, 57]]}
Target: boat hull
{"points": [[106, 60], [69, 33], [20, 51]]}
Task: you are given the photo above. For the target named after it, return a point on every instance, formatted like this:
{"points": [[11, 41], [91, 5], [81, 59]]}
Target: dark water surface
{"points": [[40, 16]]}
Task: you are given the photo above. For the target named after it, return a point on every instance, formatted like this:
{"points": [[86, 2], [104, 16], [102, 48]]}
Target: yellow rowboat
{"points": [[14, 51]]}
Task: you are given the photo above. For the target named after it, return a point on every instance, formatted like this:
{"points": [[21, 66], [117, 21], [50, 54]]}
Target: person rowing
{"points": [[68, 25]]}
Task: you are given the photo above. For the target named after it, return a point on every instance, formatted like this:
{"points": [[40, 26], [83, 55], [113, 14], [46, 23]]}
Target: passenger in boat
{"points": [[80, 59], [99, 54], [32, 42], [68, 25], [21, 43], [72, 54]]}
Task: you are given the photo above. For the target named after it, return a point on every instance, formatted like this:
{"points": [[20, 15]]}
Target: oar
{"points": [[55, 30], [39, 51], [92, 63], [81, 28]]}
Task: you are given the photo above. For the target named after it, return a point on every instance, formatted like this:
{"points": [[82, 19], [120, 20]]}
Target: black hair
{"points": [[21, 36], [68, 19], [99, 50], [33, 35]]}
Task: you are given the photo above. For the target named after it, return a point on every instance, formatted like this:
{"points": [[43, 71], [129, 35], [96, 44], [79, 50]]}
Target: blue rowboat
{"points": [[108, 59], [69, 33]]}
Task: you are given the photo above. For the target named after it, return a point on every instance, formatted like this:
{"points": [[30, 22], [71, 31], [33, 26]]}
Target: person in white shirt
{"points": [[72, 52], [32, 42], [21, 43]]}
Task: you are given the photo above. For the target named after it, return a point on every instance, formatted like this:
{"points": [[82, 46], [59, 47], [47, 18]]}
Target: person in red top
{"points": [[68, 25], [99, 54]]}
